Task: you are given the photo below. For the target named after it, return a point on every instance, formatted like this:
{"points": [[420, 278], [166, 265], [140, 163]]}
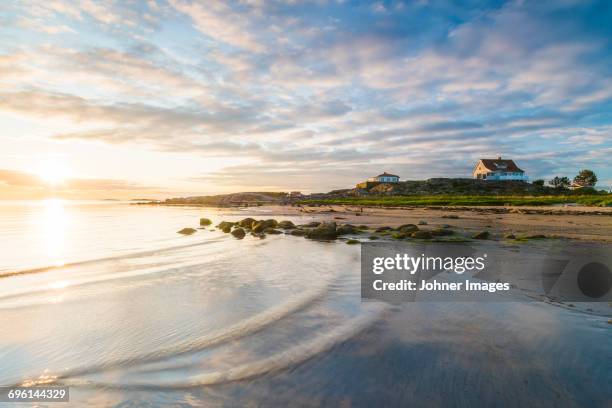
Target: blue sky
{"points": [[178, 97]]}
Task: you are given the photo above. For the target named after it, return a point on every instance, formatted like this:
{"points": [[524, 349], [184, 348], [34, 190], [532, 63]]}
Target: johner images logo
{"points": [[400, 272]]}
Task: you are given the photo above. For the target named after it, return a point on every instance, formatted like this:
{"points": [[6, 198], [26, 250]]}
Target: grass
{"points": [[600, 200]]}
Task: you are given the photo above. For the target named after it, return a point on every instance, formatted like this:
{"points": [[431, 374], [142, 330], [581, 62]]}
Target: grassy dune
{"points": [[600, 200]]}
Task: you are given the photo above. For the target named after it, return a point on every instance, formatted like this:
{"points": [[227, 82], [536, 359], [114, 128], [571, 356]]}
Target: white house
{"points": [[498, 169], [384, 178]]}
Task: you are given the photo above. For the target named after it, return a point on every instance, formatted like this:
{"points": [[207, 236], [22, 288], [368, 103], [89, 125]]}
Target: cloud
{"points": [[18, 184], [336, 89]]}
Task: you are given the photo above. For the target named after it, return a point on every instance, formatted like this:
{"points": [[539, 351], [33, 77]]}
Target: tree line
{"points": [[584, 178]]}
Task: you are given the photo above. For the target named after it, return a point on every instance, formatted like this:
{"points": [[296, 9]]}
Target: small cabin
{"points": [[498, 169]]}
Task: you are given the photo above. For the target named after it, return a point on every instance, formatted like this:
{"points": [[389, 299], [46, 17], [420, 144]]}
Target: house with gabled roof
{"points": [[498, 169]]}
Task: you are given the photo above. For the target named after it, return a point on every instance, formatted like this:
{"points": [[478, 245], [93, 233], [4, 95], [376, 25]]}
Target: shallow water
{"points": [[141, 316]]}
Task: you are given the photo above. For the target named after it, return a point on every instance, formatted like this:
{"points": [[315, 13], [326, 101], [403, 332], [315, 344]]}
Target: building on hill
{"points": [[498, 169], [376, 180], [385, 178]]}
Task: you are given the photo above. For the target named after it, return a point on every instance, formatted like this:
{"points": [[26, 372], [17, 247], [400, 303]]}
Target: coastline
{"points": [[581, 223]]}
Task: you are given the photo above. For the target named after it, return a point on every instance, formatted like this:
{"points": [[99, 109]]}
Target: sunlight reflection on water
{"points": [[56, 220]]}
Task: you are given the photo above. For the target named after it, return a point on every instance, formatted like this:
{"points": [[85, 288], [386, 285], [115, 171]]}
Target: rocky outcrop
{"points": [[324, 231], [286, 224], [482, 235], [347, 229]]}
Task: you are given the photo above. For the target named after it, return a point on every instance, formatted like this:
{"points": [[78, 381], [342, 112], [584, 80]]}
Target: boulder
{"points": [[440, 232], [381, 229], [407, 228], [298, 232], [312, 224], [421, 235], [186, 231], [347, 229], [286, 224], [226, 229], [352, 241], [324, 231], [270, 223], [272, 231], [204, 222], [238, 233], [482, 235], [258, 227], [225, 224], [247, 222]]}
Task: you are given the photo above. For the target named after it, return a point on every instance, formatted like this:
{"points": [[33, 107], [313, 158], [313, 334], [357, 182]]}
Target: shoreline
{"points": [[583, 223]]}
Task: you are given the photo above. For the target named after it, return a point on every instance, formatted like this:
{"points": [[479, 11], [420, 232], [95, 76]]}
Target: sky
{"points": [[161, 98]]}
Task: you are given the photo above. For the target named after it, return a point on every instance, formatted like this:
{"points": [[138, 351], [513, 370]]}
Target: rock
{"points": [[326, 230], [482, 235], [422, 222], [373, 237], [440, 232], [312, 224], [270, 223], [357, 214], [272, 231], [186, 231], [421, 235], [225, 224], [362, 227], [381, 229], [238, 233], [226, 229], [298, 232], [347, 229], [247, 222], [407, 228], [452, 216], [258, 235], [258, 227], [204, 222], [510, 236], [286, 225], [352, 241], [399, 235]]}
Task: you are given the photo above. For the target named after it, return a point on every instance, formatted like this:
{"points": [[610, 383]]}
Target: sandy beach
{"points": [[583, 223]]}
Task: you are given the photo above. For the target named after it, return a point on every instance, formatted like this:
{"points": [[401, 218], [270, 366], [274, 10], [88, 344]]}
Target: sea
{"points": [[105, 297]]}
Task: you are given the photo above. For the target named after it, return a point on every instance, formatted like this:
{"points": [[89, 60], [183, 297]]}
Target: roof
{"points": [[501, 164], [385, 174]]}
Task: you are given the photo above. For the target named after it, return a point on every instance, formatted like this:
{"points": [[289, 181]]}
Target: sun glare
{"points": [[53, 173]]}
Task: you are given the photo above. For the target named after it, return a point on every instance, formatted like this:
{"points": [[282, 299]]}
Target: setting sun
{"points": [[53, 173]]}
